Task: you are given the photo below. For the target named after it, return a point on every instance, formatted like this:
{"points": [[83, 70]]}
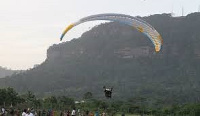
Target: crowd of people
{"points": [[85, 113], [32, 112]]}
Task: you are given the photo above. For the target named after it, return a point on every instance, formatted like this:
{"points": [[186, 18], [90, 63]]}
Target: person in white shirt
{"points": [[29, 113], [24, 112], [73, 112], [3, 110]]}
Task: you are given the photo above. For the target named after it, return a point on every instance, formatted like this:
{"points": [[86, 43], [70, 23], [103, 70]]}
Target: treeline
{"points": [[10, 98]]}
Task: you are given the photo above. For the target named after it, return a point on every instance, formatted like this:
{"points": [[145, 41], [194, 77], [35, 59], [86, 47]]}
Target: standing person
{"points": [[68, 113], [79, 113], [3, 111], [96, 113], [91, 114], [39, 113], [29, 113], [43, 112], [33, 111], [61, 113], [73, 112], [87, 113], [103, 114], [12, 111]]}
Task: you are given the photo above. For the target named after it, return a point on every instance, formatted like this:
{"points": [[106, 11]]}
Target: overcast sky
{"points": [[29, 27]]}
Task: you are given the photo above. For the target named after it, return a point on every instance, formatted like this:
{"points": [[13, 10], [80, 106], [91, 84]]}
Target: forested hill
{"points": [[117, 55], [4, 72]]}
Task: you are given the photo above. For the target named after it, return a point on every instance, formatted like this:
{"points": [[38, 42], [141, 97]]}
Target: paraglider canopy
{"points": [[141, 25]]}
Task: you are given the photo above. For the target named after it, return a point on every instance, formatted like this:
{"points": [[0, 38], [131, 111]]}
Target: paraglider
{"points": [[108, 92], [137, 23]]}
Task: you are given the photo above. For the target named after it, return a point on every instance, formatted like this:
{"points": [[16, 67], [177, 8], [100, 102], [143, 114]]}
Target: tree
{"points": [[3, 96], [65, 102], [51, 101], [30, 99], [9, 96]]}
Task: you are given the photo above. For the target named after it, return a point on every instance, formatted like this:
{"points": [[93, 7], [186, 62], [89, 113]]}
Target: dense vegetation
{"points": [[8, 96], [118, 56]]}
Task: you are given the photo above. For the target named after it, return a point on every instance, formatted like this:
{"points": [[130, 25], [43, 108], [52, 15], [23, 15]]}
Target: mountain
{"points": [[6, 72], [118, 56]]}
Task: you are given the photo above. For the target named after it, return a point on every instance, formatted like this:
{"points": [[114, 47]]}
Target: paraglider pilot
{"points": [[108, 92]]}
